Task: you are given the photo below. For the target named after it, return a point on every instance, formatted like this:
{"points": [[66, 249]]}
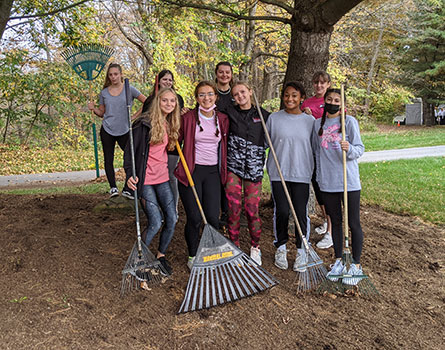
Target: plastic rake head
{"points": [[314, 274], [88, 60], [141, 270], [222, 273]]}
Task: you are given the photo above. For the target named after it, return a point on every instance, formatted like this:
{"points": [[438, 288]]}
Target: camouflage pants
{"points": [[252, 196]]}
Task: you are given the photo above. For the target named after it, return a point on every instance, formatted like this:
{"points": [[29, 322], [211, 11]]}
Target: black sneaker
{"points": [[127, 194], [165, 265]]}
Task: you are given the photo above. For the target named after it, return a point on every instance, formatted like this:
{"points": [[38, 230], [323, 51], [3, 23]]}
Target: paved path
{"points": [[88, 175]]}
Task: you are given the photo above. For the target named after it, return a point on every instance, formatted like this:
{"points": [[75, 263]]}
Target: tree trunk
{"points": [[308, 53], [5, 12]]}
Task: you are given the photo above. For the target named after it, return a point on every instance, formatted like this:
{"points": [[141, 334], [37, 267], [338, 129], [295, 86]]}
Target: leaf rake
{"points": [[142, 268]]}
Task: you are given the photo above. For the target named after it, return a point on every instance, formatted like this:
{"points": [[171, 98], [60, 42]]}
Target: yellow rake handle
{"points": [[191, 183]]}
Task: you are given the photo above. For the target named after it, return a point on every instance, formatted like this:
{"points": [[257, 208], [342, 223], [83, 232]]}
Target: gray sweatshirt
{"points": [[329, 158], [291, 139], [115, 120]]}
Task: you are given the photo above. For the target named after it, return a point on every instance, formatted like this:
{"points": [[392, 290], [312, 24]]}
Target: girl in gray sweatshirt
{"points": [[328, 147], [290, 132]]}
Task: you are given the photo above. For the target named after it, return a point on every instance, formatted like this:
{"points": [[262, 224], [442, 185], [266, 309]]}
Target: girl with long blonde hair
{"points": [[154, 133]]}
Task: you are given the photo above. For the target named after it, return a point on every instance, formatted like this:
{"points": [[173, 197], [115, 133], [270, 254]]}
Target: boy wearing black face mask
{"points": [[328, 147]]}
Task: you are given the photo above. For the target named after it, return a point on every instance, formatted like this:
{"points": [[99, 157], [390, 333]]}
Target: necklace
{"points": [[224, 92]]}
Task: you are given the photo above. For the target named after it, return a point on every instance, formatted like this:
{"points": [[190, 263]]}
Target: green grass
{"points": [[16, 159], [82, 189], [415, 187], [412, 186], [404, 137]]}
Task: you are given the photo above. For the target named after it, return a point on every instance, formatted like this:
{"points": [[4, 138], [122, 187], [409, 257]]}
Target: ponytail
{"points": [[323, 120]]}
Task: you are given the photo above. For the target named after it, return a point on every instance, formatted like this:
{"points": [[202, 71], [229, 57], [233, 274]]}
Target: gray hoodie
{"points": [[329, 158]]}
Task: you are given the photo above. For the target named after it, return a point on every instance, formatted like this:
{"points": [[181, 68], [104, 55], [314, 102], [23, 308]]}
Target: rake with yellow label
{"points": [[221, 272]]}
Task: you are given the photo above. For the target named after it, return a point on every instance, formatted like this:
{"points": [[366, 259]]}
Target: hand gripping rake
{"points": [[364, 286], [315, 271], [142, 266], [88, 61], [221, 272]]}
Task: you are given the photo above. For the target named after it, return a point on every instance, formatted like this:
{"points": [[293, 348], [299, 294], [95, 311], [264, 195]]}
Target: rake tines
{"points": [[314, 275], [222, 273], [87, 60], [364, 286], [141, 270]]}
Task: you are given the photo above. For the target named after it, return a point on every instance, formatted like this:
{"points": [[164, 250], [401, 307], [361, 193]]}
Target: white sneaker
{"points": [[326, 242], [255, 254], [190, 262], [336, 269], [281, 259], [114, 192], [354, 270], [321, 230], [300, 264]]}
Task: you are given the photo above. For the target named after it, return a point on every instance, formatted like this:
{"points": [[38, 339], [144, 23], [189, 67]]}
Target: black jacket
{"points": [[246, 150], [141, 140]]}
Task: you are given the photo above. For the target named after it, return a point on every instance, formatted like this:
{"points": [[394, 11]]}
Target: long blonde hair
{"points": [[157, 120]]}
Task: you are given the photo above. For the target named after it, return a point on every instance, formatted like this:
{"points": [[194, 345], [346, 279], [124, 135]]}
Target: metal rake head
{"points": [[314, 274], [362, 287], [237, 278], [141, 270], [222, 273]]}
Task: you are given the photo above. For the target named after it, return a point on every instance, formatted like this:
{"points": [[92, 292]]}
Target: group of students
{"points": [[224, 146]]}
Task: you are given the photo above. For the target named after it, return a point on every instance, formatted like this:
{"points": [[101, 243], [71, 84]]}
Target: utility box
{"points": [[414, 112]]}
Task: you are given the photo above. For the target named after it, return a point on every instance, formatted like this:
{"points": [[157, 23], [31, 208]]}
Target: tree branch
{"points": [[50, 12], [280, 4], [190, 4]]}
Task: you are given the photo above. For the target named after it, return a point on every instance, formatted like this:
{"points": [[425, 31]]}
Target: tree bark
{"points": [[308, 53], [5, 12]]}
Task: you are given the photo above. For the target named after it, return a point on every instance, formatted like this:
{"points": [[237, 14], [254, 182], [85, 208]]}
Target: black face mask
{"points": [[331, 109]]}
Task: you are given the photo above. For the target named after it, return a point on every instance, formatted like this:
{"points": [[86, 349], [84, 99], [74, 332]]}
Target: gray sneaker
{"points": [[354, 270], [326, 242], [300, 264], [281, 259], [336, 269], [321, 230], [114, 192], [255, 254]]}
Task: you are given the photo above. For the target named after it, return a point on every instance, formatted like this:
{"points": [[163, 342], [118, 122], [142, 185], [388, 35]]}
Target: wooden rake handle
{"points": [[191, 183], [286, 191]]}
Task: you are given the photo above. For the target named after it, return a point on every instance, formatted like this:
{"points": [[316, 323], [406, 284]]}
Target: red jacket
{"points": [[187, 134]]}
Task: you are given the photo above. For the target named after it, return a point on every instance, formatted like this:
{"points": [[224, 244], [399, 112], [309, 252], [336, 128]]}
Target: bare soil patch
{"points": [[61, 269]]}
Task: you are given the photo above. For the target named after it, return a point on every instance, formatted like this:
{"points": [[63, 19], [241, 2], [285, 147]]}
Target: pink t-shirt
{"points": [[157, 169], [316, 105], [206, 142]]}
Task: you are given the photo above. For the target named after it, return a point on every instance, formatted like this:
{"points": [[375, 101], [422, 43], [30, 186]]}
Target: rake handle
{"points": [[286, 191], [133, 165], [345, 174], [192, 184]]}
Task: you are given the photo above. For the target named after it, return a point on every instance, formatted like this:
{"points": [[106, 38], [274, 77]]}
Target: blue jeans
{"points": [[159, 207]]}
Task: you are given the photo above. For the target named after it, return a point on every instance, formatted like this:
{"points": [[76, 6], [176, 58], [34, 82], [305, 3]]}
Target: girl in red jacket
{"points": [[204, 135]]}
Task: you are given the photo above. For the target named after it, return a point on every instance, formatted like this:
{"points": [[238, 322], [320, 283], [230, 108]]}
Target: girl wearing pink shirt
{"points": [[315, 106], [204, 135], [154, 133]]}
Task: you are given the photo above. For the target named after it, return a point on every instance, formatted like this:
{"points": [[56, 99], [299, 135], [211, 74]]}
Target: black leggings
{"points": [[208, 186], [333, 203], [108, 145], [299, 194]]}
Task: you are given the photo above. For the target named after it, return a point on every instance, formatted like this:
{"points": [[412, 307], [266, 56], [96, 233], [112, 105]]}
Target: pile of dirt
{"points": [[61, 270]]}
